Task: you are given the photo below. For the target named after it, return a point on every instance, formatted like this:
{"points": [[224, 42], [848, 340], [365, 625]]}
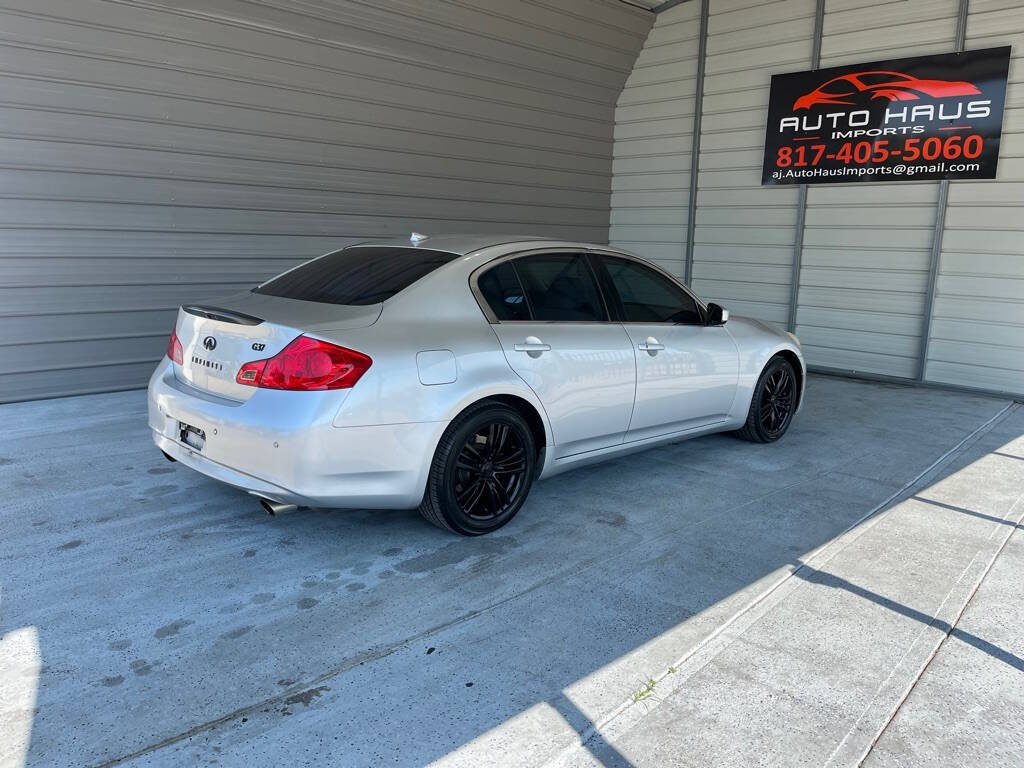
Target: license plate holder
{"points": [[191, 436]]}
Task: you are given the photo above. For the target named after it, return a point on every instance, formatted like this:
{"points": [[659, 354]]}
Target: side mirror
{"points": [[717, 315]]}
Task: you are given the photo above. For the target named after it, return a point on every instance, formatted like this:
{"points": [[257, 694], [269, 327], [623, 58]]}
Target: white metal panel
{"points": [[744, 235], [977, 332], [867, 248], [165, 152], [863, 242], [653, 136]]}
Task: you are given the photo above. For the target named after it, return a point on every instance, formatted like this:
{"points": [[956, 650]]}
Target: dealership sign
{"points": [[928, 117]]}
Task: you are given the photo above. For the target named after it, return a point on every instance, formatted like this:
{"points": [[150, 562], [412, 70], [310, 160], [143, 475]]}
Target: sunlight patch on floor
{"points": [[20, 662]]}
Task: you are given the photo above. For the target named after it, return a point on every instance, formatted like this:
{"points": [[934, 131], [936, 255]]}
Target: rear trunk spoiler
{"points": [[223, 315]]}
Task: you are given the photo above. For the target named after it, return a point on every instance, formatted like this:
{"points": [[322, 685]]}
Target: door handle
{"points": [[532, 346], [652, 346]]}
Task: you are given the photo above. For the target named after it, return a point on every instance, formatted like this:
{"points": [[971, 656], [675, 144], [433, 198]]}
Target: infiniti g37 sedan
{"points": [[449, 373]]}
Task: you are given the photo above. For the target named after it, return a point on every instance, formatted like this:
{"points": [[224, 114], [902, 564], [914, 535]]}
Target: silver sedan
{"points": [[450, 373]]}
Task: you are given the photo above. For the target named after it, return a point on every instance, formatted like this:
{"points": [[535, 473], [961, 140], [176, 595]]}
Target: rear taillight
{"points": [[174, 350], [306, 364]]}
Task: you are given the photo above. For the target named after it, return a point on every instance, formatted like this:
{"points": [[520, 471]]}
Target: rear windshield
{"points": [[356, 276]]}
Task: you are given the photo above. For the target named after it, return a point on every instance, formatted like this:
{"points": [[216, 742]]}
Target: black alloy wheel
{"points": [[776, 404], [482, 471], [773, 404], [490, 471]]}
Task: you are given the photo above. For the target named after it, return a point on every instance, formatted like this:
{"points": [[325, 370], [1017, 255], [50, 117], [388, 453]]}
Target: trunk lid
{"points": [[219, 337]]}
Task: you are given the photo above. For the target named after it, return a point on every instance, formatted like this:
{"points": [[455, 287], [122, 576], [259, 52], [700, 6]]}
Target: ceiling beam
{"points": [[668, 4]]}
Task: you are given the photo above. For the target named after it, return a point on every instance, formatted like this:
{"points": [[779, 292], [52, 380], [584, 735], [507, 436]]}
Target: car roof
{"points": [[869, 72], [460, 244]]}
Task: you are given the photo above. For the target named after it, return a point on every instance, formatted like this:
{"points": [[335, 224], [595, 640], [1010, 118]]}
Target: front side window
{"points": [[560, 287], [356, 276], [648, 296]]}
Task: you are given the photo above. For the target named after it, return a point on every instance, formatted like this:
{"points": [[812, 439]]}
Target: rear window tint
{"points": [[501, 288], [356, 276], [560, 288]]}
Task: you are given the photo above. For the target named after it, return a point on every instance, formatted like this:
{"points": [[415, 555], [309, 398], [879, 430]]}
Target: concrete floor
{"points": [[712, 602]]}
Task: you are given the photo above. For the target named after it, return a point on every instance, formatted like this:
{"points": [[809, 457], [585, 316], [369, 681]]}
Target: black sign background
{"points": [[870, 138]]}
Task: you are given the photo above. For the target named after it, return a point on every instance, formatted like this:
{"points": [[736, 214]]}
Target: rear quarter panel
{"points": [[437, 313]]}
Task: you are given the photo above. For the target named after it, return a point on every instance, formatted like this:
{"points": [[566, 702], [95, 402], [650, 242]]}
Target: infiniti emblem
{"points": [[210, 343]]}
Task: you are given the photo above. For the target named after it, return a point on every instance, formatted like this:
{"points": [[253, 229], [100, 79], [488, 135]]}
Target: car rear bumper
{"points": [[283, 446]]}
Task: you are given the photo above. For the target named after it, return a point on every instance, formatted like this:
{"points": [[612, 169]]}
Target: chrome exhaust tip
{"points": [[275, 508]]}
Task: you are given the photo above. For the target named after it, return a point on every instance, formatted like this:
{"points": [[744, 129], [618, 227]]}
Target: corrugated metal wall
{"points": [[743, 242], [653, 136], [154, 153], [867, 247], [866, 250], [977, 330]]}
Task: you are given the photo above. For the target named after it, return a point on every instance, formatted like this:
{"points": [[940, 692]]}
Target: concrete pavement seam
{"points": [[627, 714], [965, 593]]}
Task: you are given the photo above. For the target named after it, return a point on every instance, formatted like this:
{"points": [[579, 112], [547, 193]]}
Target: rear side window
{"points": [[356, 276], [560, 287], [503, 293]]}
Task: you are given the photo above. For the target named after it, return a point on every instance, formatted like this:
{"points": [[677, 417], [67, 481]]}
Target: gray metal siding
{"points": [[653, 134], [155, 153], [867, 247], [744, 236], [977, 331]]}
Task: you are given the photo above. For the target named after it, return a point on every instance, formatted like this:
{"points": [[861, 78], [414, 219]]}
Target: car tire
{"points": [[773, 403], [481, 472]]}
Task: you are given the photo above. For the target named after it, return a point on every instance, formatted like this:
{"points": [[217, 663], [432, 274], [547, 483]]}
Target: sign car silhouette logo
{"points": [[865, 87], [909, 119], [210, 343]]}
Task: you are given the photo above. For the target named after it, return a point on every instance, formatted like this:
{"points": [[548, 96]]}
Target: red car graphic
{"points": [[867, 86]]}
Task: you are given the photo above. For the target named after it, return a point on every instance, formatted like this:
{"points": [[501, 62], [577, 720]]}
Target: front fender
{"points": [[758, 343]]}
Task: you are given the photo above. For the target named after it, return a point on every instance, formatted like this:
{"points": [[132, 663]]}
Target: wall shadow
{"points": [[825, 579]]}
